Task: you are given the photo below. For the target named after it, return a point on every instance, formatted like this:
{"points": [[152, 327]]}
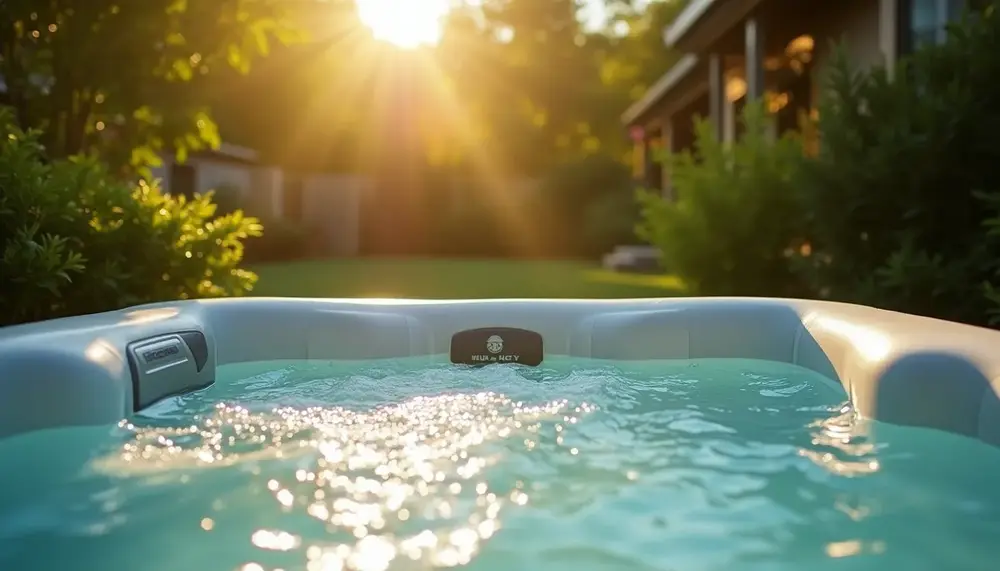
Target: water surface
{"points": [[580, 465]]}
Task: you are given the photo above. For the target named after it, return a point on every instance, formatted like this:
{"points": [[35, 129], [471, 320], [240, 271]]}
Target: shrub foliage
{"points": [[77, 240], [736, 219], [905, 190], [899, 206]]}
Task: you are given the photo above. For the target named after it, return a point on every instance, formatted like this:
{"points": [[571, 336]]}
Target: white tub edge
{"points": [[895, 367]]}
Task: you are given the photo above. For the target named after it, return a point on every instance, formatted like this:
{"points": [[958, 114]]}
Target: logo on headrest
{"points": [[494, 344], [502, 345]]}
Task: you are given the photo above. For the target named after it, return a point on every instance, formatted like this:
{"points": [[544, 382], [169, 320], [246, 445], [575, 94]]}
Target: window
{"points": [[183, 180], [925, 21]]}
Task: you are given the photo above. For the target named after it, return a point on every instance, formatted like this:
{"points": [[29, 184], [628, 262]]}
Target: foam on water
{"points": [[582, 465]]}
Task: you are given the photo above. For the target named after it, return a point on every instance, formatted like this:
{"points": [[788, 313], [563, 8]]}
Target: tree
{"points": [[317, 93], [549, 90], [631, 53], [124, 77], [520, 68]]}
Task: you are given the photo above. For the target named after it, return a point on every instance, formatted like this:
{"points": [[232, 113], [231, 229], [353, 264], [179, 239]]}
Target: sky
{"points": [[593, 13], [409, 23]]}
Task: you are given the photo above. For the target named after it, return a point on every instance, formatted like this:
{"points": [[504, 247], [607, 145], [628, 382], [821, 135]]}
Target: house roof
{"points": [[692, 13], [683, 35], [236, 152], [660, 89], [681, 26], [228, 152]]}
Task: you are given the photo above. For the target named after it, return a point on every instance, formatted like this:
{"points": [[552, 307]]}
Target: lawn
{"points": [[455, 279]]}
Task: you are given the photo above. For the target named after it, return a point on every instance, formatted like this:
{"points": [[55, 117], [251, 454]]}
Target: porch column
{"points": [[716, 92], [639, 154], [729, 120], [649, 160], [754, 59], [667, 136], [888, 33]]}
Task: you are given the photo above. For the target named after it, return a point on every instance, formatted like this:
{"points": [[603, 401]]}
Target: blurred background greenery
{"points": [[489, 143]]}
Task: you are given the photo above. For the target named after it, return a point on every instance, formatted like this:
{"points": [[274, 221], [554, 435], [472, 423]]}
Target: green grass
{"points": [[455, 279]]}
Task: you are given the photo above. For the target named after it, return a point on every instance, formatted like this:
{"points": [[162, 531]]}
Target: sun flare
{"points": [[404, 23]]}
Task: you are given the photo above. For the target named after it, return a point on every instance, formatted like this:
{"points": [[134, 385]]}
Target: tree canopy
{"points": [[524, 84], [523, 81], [515, 93], [127, 76]]}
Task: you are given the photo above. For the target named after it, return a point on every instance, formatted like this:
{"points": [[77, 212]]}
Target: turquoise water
{"points": [[577, 465]]}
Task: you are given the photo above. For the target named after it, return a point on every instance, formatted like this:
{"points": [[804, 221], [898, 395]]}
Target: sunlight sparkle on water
{"points": [[372, 471], [579, 464]]}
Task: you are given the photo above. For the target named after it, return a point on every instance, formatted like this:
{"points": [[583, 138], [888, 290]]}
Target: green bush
{"points": [[610, 221], [76, 240], [905, 190], [283, 240], [589, 205], [228, 199], [737, 218]]}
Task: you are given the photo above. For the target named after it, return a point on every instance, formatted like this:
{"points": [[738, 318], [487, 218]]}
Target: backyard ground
{"points": [[455, 279]]}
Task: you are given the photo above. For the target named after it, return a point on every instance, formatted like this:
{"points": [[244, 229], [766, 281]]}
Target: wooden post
{"points": [[754, 57], [716, 92]]}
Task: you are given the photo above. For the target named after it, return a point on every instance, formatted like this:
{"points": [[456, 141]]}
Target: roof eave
{"points": [[685, 21], [660, 89]]}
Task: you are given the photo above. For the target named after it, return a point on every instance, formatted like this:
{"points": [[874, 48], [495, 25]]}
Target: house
{"points": [[233, 172], [734, 51], [328, 204]]}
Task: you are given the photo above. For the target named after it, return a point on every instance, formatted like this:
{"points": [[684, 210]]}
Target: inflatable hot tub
{"points": [[97, 369]]}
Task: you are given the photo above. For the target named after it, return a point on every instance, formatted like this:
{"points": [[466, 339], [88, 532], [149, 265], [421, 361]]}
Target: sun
{"points": [[404, 23]]}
